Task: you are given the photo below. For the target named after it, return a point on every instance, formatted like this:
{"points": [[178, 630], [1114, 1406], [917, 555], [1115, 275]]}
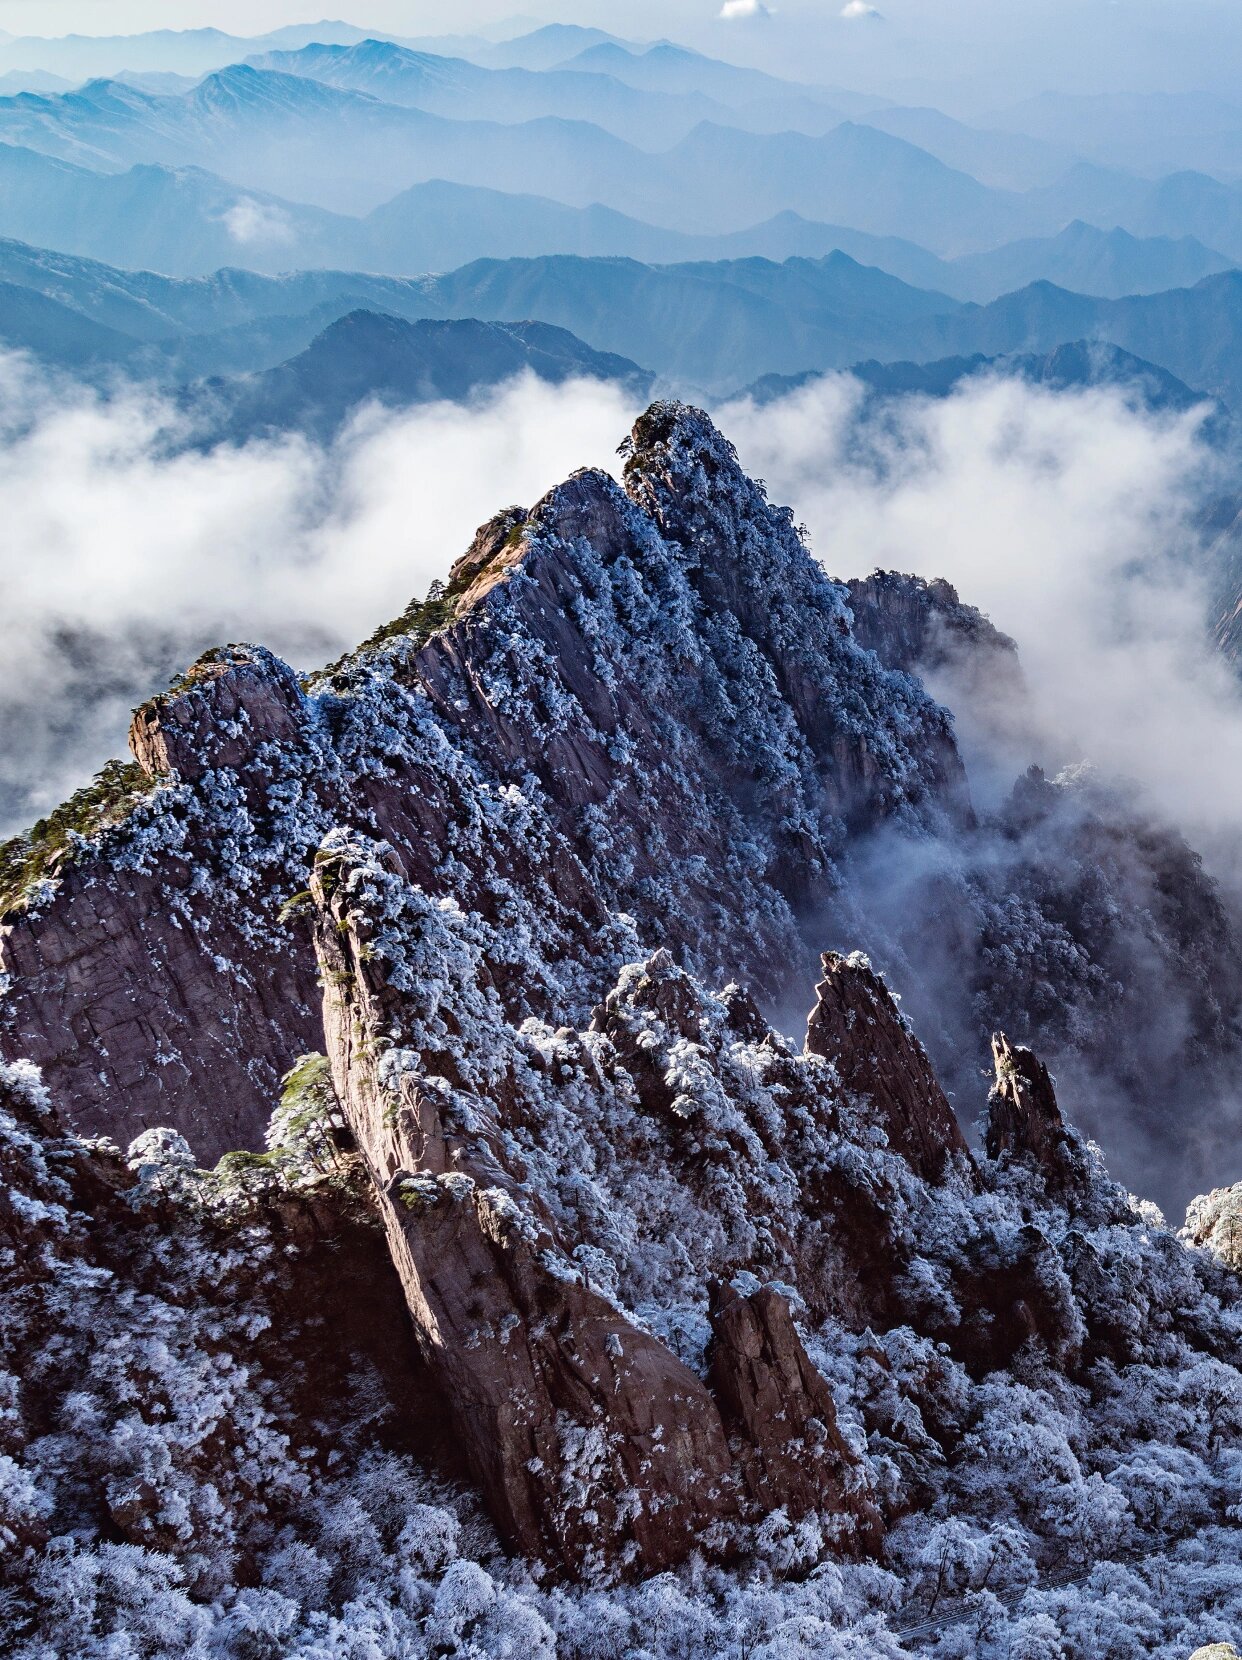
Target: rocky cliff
{"points": [[645, 718], [581, 1311], [1067, 914]]}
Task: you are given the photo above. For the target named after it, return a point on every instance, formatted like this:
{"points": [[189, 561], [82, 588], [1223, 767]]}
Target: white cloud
{"points": [[122, 562], [248, 221], [859, 8], [733, 9], [1070, 519]]}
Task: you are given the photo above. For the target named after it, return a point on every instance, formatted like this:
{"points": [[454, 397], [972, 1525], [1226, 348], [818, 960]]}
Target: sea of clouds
{"points": [[1072, 519]]}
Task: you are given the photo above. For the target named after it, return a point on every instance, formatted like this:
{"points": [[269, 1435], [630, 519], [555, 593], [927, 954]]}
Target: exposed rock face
{"points": [[538, 1181], [856, 1025], [793, 1454], [1024, 1120], [154, 975], [188, 1396], [917, 625], [144, 1013], [234, 703], [653, 1280], [670, 643], [592, 1443]]}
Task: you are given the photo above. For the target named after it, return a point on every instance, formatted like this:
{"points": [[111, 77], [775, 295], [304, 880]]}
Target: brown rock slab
{"points": [[591, 1442], [790, 1449], [856, 1024], [232, 701], [1024, 1119]]}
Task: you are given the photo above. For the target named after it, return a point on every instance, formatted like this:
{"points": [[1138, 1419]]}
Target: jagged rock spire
{"points": [[225, 706], [1024, 1119], [856, 1024], [791, 1451]]}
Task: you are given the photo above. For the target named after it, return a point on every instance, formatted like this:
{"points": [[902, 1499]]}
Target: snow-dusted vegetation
{"points": [[555, 1210], [166, 1490]]}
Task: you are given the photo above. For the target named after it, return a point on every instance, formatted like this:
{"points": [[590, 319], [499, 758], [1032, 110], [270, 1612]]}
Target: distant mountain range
{"points": [[1109, 264], [1072, 366], [302, 139], [665, 67], [1004, 160], [699, 324], [706, 327], [547, 47], [1156, 164], [367, 357], [322, 137], [14, 81], [179, 51], [182, 221], [1193, 333], [188, 222], [461, 90], [1153, 133], [59, 334]]}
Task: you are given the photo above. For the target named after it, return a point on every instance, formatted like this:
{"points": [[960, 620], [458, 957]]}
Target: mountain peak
{"points": [[664, 577], [247, 85], [548, 1205]]}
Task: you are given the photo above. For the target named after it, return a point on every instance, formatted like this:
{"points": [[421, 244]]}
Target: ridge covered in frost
{"points": [[572, 1309], [646, 718]]}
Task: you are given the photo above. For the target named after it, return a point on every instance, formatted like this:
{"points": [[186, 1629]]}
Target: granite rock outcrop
{"points": [[581, 1256], [879, 1059], [640, 702]]}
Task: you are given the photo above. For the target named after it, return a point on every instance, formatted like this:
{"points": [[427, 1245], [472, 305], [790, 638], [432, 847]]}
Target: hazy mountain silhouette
{"points": [[1147, 132], [547, 47], [181, 51], [1087, 260], [59, 334], [1010, 161], [667, 68], [367, 357], [1193, 333], [1073, 366], [187, 222], [695, 323], [462, 90], [181, 220]]}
